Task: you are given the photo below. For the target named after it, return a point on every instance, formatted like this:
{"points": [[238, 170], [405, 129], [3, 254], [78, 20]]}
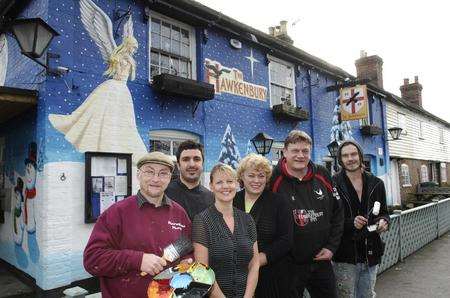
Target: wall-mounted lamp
{"points": [[333, 149], [34, 37], [395, 133], [263, 143]]}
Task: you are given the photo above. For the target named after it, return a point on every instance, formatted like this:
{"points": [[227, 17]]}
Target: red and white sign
{"points": [[353, 103]]}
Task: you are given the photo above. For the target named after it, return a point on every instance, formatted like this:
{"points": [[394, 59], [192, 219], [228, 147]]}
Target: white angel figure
{"points": [[3, 58], [105, 121]]}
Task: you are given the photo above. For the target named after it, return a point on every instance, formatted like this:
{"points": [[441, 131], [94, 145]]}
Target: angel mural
{"points": [[105, 121], [3, 58]]}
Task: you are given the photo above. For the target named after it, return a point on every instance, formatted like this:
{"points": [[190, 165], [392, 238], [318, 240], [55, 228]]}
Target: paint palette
{"points": [[184, 280]]}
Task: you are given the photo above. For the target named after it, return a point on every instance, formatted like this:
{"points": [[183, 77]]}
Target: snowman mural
{"points": [[17, 211], [30, 188]]}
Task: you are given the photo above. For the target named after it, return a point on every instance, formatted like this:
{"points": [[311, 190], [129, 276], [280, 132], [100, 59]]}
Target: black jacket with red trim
{"points": [[316, 209]]}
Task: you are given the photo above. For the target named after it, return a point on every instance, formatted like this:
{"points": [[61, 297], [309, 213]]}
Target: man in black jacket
{"points": [[187, 189], [366, 216], [317, 212]]}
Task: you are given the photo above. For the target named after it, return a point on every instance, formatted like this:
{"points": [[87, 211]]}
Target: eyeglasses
{"points": [[151, 174]]}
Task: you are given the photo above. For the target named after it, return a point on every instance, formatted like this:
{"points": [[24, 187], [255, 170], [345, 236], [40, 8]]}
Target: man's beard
{"points": [[191, 179], [358, 168]]}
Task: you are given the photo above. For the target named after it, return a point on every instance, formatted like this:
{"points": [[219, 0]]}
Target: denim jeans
{"points": [[355, 281]]}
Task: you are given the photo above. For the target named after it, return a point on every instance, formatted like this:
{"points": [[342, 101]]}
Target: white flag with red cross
{"points": [[353, 103]]}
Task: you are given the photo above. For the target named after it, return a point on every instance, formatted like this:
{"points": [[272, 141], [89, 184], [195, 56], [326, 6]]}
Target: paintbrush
{"points": [[175, 250]]}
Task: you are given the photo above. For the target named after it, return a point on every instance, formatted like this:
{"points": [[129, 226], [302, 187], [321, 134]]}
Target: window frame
{"points": [[172, 136], [421, 129], [404, 127], [192, 45], [441, 135], [423, 171], [294, 86], [405, 175], [443, 170]]}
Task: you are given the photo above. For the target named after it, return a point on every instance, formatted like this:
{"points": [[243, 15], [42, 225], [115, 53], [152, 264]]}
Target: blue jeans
{"points": [[355, 281]]}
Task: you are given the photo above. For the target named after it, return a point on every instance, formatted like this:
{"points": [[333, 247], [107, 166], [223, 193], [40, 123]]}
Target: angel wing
{"points": [[99, 27], [3, 58], [128, 28]]}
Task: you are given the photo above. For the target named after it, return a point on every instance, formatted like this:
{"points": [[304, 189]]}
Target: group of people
{"points": [[290, 228]]}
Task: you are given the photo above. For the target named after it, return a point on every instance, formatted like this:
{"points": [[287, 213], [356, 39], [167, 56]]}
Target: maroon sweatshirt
{"points": [[122, 234]]}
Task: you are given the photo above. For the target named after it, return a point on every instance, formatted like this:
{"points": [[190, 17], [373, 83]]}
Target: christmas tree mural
{"points": [[340, 131], [230, 153]]}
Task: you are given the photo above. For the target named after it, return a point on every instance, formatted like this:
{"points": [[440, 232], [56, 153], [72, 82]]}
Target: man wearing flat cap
{"points": [[129, 237]]}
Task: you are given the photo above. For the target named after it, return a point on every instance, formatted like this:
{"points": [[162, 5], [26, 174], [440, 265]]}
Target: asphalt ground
{"points": [[426, 273]]}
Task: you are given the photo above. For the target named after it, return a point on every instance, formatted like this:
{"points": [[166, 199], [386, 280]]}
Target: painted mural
{"points": [[340, 130], [230, 152], [23, 209], [3, 58], [231, 80], [105, 121]]}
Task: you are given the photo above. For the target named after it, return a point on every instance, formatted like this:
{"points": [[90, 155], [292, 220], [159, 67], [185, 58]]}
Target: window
{"points": [[277, 152], [443, 172], [282, 82], [420, 130], [441, 135], [172, 47], [405, 178], [424, 173], [167, 141], [401, 119]]}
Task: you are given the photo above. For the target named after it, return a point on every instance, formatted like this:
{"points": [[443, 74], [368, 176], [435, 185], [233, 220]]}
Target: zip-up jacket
{"points": [[316, 209], [360, 245]]}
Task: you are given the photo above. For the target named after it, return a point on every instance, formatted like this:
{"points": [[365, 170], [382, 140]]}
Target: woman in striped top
{"points": [[225, 239]]}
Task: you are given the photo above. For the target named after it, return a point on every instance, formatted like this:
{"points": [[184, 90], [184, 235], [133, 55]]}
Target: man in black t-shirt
{"points": [[187, 190]]}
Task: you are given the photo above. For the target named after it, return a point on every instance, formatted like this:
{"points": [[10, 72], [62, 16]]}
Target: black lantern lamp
{"points": [[34, 36], [263, 143], [333, 149], [395, 132]]}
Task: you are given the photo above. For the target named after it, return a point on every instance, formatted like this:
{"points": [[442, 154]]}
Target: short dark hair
{"points": [[188, 145]]}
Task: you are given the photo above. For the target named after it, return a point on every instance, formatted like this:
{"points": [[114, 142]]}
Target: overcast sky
{"points": [[412, 37]]}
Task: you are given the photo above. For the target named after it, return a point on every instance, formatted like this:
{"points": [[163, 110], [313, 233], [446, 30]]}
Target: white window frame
{"points": [[401, 117], [420, 129], [273, 59], [443, 169], [441, 135], [405, 175], [277, 147], [424, 176], [192, 43], [172, 136]]}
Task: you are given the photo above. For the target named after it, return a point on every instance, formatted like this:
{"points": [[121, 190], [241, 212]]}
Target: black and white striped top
{"points": [[229, 253]]}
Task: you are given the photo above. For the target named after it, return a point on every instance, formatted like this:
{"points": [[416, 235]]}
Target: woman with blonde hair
{"points": [[273, 224], [225, 239]]}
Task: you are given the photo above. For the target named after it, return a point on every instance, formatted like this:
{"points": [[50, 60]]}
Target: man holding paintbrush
{"points": [[129, 238]]}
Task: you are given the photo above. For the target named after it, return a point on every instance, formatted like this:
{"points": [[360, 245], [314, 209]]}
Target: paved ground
{"points": [[426, 273], [12, 287]]}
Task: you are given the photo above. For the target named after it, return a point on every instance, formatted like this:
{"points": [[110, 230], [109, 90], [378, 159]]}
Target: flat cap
{"points": [[156, 157]]}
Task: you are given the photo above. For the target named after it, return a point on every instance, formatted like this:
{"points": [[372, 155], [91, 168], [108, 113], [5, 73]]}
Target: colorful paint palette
{"points": [[184, 280]]}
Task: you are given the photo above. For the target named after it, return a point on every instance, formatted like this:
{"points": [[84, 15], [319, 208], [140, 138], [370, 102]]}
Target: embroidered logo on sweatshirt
{"points": [[319, 194], [176, 225], [302, 217]]}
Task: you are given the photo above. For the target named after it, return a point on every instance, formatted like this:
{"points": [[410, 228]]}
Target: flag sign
{"points": [[353, 103]]}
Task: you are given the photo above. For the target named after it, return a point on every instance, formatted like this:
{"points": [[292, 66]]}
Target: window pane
{"points": [[175, 66], [156, 41], [166, 44], [165, 70], [175, 145], [184, 36], [175, 47], [184, 69], [154, 58], [175, 33], [154, 70], [165, 61], [165, 29], [160, 145], [185, 50], [156, 25]]}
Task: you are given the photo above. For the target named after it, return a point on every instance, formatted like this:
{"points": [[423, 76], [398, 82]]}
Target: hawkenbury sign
{"points": [[231, 80]]}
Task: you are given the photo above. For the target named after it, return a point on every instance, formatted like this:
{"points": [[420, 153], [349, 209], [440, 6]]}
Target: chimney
{"points": [[280, 32], [371, 68], [412, 92]]}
